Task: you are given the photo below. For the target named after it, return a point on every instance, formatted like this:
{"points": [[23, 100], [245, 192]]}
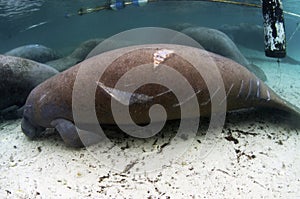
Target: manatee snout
{"points": [[28, 127]]}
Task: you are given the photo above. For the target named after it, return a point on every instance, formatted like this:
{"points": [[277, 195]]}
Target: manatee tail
{"points": [[281, 104], [291, 114], [290, 108]]}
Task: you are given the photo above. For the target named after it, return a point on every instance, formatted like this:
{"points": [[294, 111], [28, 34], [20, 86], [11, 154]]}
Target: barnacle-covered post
{"points": [[274, 30]]}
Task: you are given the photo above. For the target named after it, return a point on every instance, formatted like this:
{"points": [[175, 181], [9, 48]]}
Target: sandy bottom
{"points": [[256, 155]]}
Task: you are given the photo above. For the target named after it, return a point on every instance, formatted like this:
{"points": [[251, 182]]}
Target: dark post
{"points": [[274, 30]]}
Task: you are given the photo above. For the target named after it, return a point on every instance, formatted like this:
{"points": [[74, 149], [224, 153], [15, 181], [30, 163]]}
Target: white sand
{"points": [[264, 163]]}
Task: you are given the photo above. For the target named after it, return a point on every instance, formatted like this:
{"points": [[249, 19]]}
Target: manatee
{"points": [[35, 52], [18, 77], [49, 105], [76, 56], [251, 36], [218, 42], [248, 35]]}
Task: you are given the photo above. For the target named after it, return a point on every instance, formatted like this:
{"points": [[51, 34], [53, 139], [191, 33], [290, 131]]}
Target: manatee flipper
{"points": [[69, 134], [257, 71], [20, 111], [11, 112]]}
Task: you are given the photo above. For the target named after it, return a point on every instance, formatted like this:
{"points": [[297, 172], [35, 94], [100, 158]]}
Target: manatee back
{"points": [[34, 52]]}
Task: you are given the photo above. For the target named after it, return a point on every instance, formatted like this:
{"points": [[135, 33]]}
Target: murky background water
{"points": [[44, 22]]}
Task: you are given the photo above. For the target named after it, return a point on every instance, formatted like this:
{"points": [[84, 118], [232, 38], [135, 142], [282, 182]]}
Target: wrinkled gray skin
{"points": [[250, 36], [18, 77], [218, 42], [34, 52], [76, 56]]}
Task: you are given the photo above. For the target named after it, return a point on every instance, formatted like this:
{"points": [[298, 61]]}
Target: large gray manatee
{"points": [[52, 104]]}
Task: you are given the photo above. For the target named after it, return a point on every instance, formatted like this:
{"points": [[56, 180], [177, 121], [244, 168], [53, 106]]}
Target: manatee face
{"points": [[31, 130], [28, 127]]}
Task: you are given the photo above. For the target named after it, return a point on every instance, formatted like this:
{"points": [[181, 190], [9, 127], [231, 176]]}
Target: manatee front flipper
{"points": [[70, 136], [20, 111], [12, 112], [68, 132]]}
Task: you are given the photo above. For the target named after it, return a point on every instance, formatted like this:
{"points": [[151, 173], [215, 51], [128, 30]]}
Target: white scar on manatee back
{"points": [[160, 56]]}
